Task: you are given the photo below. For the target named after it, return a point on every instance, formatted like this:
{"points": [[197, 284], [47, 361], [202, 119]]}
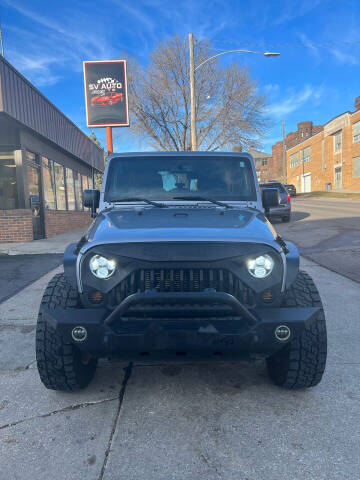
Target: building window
{"points": [[305, 155], [78, 192], [337, 141], [294, 160], [356, 132], [8, 187], [356, 167], [60, 187], [70, 189], [85, 184], [264, 162], [49, 184], [30, 157], [257, 162]]}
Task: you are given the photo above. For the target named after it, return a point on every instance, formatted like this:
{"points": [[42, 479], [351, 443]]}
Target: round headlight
{"points": [[101, 267], [260, 267]]}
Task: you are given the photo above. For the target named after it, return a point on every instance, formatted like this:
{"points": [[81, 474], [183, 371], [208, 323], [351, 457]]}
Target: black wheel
{"points": [[301, 363], [60, 364], [286, 219]]}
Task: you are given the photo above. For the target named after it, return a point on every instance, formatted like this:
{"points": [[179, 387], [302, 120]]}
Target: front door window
{"points": [[338, 177]]}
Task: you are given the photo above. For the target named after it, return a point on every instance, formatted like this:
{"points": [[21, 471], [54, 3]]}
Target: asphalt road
{"points": [[18, 271], [183, 421], [326, 231]]}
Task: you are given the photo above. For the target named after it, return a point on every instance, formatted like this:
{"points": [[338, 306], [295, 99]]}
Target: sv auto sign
{"points": [[106, 96]]}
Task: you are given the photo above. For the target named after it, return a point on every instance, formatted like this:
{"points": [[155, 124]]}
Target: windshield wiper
{"points": [[216, 202], [138, 199]]}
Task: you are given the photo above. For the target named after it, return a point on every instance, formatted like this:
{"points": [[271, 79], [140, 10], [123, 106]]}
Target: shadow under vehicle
{"points": [[181, 260]]}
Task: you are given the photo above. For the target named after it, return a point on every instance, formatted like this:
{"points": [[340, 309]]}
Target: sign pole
{"points": [[109, 140]]}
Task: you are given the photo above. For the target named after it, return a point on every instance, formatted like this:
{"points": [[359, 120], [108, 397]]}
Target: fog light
{"points": [[79, 334], [260, 267], [282, 333]]}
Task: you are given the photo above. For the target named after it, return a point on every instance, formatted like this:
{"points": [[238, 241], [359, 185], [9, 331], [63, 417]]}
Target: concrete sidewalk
{"points": [[55, 244], [181, 421]]}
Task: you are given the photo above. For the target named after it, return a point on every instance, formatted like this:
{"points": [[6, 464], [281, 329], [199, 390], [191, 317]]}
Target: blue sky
{"points": [[47, 41]]}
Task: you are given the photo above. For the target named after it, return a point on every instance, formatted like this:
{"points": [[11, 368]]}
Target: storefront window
{"points": [[78, 192], [70, 190], [30, 157], [8, 188], [85, 182], [60, 186], [49, 184]]}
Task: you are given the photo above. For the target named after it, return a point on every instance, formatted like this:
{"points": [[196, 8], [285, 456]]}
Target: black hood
{"points": [[181, 224]]}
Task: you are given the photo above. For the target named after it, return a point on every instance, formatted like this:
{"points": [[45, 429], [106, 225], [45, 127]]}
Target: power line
{"points": [[291, 45]]}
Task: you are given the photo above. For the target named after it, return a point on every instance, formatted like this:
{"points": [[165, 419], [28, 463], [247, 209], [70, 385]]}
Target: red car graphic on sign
{"points": [[107, 99]]}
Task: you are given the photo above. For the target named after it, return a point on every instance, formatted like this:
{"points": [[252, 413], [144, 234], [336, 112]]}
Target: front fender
{"points": [[69, 262], [292, 264]]}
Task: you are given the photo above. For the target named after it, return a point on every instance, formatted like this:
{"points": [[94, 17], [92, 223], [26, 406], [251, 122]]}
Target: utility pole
{"points": [[1, 42], [192, 93], [284, 166], [109, 140]]}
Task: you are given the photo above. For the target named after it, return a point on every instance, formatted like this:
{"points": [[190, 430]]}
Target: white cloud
{"points": [[294, 101], [294, 10], [271, 87], [55, 46], [344, 57]]}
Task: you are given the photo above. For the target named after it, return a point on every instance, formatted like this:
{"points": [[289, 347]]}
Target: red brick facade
{"points": [[61, 221], [328, 166], [16, 226], [304, 130]]}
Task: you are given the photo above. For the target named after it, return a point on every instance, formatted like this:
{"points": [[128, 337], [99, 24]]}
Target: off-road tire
{"points": [[301, 363], [60, 364]]}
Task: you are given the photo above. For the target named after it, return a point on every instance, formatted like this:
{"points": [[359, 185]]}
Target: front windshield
{"points": [[163, 178]]}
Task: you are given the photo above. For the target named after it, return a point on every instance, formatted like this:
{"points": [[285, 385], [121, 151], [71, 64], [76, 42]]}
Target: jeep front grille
{"points": [[183, 280]]}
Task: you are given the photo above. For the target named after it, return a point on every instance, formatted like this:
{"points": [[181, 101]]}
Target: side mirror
{"points": [[91, 199], [270, 198]]}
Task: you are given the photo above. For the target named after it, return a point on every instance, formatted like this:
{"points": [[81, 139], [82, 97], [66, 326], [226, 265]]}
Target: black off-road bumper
{"points": [[208, 323]]}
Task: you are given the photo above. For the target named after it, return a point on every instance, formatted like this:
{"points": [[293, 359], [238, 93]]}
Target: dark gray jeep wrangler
{"points": [[181, 261]]}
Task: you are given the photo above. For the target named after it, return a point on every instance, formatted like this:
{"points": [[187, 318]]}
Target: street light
{"points": [[192, 80]]}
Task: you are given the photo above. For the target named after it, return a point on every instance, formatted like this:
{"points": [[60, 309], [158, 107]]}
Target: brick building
{"points": [[330, 158], [45, 163], [263, 164], [304, 130]]}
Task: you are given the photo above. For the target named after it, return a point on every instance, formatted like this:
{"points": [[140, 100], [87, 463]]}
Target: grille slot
{"points": [[183, 280]]}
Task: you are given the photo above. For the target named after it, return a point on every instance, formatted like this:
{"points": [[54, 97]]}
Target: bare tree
{"points": [[229, 109]]}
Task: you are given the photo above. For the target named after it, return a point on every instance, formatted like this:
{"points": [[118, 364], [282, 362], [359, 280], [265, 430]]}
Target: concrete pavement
{"points": [[183, 421]]}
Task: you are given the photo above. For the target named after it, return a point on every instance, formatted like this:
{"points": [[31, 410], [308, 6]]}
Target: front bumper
{"points": [[227, 329]]}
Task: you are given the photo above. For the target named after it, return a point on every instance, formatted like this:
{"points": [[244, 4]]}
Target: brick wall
{"points": [[304, 130], [16, 226], [276, 172], [324, 159], [58, 221]]}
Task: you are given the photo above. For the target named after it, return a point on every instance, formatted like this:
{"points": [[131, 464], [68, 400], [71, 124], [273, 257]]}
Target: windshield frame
{"points": [[254, 201]]}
